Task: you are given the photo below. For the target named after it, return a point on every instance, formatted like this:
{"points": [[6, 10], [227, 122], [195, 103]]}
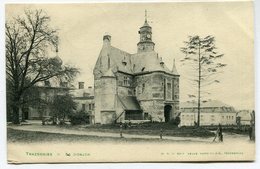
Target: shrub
{"points": [[176, 121], [78, 118]]}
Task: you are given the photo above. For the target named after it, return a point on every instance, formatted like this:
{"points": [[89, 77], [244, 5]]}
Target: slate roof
{"points": [[148, 62], [112, 58], [208, 104], [129, 103]]}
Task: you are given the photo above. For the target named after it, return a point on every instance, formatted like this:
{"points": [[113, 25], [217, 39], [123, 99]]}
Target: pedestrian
{"points": [[161, 133], [220, 133], [250, 130], [216, 135]]}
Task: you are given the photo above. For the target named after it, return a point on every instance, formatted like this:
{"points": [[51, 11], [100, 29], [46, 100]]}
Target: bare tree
{"points": [[202, 58], [28, 40]]}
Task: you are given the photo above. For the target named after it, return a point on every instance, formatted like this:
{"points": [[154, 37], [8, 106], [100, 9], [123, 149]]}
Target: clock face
{"points": [[148, 36]]}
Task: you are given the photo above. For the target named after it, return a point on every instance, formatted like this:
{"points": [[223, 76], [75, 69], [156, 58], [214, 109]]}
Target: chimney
{"points": [[107, 40], [81, 85]]}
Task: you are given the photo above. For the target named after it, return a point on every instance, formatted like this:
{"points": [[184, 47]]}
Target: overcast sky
{"points": [[81, 28]]}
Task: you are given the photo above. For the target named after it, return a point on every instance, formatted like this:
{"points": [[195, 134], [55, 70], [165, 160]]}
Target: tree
{"points": [[28, 40], [63, 106], [202, 58]]}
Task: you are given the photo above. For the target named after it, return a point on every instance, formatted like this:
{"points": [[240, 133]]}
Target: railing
{"points": [[119, 116]]}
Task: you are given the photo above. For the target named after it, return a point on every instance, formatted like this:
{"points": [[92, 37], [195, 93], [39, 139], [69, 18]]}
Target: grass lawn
{"points": [[20, 136], [149, 129]]}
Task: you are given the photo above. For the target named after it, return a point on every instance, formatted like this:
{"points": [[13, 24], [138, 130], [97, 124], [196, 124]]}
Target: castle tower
{"points": [[145, 44]]}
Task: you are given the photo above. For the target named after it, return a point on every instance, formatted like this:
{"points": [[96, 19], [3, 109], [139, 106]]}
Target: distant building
{"points": [[212, 112], [134, 86], [84, 97], [40, 97], [244, 117]]}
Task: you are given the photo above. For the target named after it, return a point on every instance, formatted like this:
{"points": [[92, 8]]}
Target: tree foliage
{"points": [[203, 62], [28, 40], [63, 106]]}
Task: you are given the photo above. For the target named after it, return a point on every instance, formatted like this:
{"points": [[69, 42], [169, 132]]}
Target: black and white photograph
{"points": [[130, 82]]}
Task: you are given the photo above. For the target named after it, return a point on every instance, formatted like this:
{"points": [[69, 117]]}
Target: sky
{"points": [[82, 26]]}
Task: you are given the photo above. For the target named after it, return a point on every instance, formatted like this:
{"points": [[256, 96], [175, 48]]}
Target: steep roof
{"points": [[174, 70], [148, 62], [129, 103], [118, 60]]}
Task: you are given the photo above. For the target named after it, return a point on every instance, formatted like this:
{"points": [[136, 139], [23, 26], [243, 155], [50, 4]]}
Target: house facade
{"points": [[244, 117], [212, 112], [40, 96], [134, 86], [84, 97]]}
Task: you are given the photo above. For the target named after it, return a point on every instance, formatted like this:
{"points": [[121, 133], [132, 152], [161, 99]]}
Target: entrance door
{"points": [[167, 112]]}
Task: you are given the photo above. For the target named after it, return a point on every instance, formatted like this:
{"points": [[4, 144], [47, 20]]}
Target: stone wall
{"points": [[124, 84], [105, 98]]}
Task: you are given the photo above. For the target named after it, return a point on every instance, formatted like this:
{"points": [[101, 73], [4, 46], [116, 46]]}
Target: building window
{"points": [[212, 117], [143, 87], [125, 81], [90, 107], [169, 91], [85, 94], [169, 86], [83, 107]]}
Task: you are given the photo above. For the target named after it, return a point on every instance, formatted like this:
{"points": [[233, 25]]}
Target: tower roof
{"points": [[174, 70], [145, 21]]}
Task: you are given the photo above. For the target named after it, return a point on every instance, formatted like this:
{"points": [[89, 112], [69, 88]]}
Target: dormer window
{"points": [[161, 62], [126, 81], [124, 62]]}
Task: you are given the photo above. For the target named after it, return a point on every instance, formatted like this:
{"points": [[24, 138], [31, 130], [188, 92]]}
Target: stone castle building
{"points": [[134, 86]]}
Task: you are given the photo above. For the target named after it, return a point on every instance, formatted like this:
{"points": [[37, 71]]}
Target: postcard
{"points": [[130, 82]]}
